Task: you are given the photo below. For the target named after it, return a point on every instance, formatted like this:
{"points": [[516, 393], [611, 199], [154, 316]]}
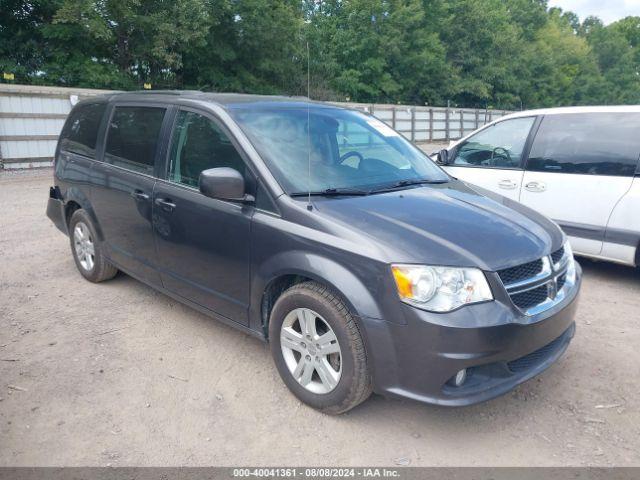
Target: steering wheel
{"points": [[348, 155], [376, 166], [500, 152]]}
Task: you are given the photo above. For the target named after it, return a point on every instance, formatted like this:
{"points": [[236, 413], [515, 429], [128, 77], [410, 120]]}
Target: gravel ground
{"points": [[117, 374]]}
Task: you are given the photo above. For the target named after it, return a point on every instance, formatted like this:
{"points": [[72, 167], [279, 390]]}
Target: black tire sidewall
{"points": [[302, 298], [81, 216]]}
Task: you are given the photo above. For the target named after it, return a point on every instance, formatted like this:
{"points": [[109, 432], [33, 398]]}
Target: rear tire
{"points": [[318, 350], [86, 250]]}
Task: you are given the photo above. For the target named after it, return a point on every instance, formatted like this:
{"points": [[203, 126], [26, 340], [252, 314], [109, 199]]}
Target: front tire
{"points": [[86, 251], [318, 349]]}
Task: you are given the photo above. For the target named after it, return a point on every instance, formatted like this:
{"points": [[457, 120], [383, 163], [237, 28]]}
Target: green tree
{"points": [[251, 46], [23, 49], [616, 50], [473, 52], [130, 41], [378, 50], [483, 46]]}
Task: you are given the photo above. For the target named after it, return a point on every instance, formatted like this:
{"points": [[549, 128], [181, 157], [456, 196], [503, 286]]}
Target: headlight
{"points": [[440, 289]]}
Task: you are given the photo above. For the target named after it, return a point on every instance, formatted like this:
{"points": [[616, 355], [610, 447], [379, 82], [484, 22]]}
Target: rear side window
{"points": [[587, 144], [133, 137], [80, 133]]}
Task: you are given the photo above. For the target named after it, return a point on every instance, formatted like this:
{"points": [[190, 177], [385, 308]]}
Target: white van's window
{"points": [[133, 137], [587, 143], [498, 146]]}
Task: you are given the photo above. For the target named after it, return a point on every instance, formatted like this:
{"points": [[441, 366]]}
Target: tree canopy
{"points": [[475, 53]]}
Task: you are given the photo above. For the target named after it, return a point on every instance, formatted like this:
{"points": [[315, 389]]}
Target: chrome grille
{"points": [[557, 255], [530, 298], [520, 272], [562, 280], [536, 286]]}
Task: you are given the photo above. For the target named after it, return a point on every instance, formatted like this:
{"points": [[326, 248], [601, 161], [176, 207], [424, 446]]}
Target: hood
{"points": [[447, 224]]}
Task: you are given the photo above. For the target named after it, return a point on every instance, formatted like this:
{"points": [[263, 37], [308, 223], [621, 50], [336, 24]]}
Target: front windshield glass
{"points": [[348, 150]]}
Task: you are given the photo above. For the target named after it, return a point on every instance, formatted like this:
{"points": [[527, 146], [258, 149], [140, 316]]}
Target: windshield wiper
{"points": [[407, 183], [332, 192]]}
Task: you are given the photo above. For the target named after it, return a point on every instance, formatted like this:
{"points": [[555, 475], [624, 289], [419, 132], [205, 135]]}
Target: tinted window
{"points": [[80, 133], [592, 144], [498, 146], [133, 137], [199, 144]]}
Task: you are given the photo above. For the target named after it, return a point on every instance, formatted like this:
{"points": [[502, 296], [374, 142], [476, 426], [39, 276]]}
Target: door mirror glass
{"points": [[223, 183], [443, 157]]}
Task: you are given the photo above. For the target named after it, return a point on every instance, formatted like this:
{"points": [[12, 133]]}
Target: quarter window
{"points": [[498, 146], [587, 144], [198, 144], [133, 137], [80, 133]]}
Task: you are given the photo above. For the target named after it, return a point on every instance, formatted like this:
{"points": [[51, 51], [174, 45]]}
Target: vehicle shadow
{"points": [[609, 271]]}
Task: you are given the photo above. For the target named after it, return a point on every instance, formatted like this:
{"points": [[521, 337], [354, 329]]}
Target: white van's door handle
{"points": [[536, 186], [507, 184]]}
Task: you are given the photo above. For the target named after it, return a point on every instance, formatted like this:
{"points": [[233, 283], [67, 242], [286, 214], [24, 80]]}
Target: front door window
{"points": [[198, 144], [498, 146]]}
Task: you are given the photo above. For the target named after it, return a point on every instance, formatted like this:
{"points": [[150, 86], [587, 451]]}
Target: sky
{"points": [[608, 10]]}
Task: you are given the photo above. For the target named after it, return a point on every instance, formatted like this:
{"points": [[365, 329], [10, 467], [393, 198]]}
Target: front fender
{"points": [[358, 297]]}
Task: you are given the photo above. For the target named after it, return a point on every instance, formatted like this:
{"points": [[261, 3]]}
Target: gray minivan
{"points": [[325, 232]]}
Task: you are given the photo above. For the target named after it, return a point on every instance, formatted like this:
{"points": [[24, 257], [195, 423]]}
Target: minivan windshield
{"points": [[332, 151]]}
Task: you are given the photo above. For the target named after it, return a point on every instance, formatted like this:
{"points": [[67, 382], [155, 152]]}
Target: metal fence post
{"points": [[431, 124], [393, 117], [413, 124], [446, 125], [461, 123]]}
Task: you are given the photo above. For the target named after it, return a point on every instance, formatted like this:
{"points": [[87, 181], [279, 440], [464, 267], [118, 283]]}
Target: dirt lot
{"points": [[117, 374]]}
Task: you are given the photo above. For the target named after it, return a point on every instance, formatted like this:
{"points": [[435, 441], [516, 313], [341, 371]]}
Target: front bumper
{"points": [[417, 359]]}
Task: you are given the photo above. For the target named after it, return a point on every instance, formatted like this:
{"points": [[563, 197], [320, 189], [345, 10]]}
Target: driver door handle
{"points": [[536, 186], [507, 184], [165, 204]]}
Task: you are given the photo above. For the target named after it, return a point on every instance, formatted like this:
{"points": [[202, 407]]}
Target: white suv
{"points": [[578, 166]]}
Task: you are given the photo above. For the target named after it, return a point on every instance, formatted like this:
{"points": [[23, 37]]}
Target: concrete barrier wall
{"points": [[31, 118]]}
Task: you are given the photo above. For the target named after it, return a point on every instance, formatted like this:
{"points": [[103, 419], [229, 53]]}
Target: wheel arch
{"points": [[75, 199], [290, 268]]}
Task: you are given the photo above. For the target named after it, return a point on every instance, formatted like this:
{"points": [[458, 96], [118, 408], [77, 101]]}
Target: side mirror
{"points": [[223, 183], [443, 157]]}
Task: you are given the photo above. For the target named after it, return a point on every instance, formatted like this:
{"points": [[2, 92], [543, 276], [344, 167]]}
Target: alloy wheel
{"points": [[83, 246], [311, 350]]}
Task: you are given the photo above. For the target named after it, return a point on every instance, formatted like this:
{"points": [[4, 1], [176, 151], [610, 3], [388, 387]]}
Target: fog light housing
{"points": [[459, 378]]}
